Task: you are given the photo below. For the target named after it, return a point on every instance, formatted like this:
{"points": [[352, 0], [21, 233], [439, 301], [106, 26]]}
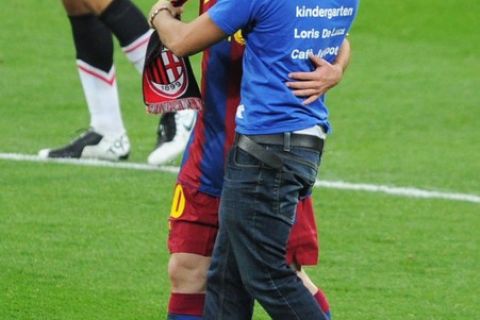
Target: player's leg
{"points": [[317, 293], [303, 249], [187, 274], [128, 24], [130, 27], [94, 53], [193, 228]]}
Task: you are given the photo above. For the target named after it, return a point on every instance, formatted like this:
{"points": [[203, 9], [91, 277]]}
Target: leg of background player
{"points": [[130, 27], [94, 52], [93, 22]]}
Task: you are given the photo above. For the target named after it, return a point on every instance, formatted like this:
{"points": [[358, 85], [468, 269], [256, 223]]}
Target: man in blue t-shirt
{"points": [[278, 146]]}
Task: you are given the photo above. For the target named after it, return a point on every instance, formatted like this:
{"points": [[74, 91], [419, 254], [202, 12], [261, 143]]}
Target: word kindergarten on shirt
{"points": [[329, 27]]}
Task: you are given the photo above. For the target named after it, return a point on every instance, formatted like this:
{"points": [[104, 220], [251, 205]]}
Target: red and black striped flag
{"points": [[168, 81]]}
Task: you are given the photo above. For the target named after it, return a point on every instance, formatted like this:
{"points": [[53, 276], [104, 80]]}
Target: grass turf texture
{"points": [[89, 243]]}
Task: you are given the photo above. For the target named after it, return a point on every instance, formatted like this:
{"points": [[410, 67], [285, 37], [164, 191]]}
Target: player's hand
{"points": [[175, 8], [315, 83]]}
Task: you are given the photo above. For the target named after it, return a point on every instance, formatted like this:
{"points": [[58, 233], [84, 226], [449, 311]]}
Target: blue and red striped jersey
{"points": [[204, 158]]}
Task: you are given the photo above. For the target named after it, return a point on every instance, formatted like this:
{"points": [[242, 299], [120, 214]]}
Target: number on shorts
{"points": [[178, 203]]}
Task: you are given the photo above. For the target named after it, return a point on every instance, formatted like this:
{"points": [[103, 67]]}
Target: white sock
{"points": [[101, 93], [136, 51]]}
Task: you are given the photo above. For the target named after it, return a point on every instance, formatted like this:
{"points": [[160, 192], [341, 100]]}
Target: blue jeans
{"points": [[257, 211]]}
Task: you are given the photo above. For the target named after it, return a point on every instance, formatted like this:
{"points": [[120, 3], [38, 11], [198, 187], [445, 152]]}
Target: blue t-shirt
{"points": [[280, 34]]}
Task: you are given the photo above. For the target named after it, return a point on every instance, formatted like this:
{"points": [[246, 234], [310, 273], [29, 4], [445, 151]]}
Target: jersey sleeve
{"points": [[232, 15]]}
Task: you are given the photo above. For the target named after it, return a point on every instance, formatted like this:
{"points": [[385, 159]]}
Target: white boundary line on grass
{"points": [[392, 190], [88, 162], [409, 192]]}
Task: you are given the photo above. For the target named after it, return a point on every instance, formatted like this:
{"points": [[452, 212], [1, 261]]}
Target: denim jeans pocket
{"points": [[303, 164], [243, 159]]}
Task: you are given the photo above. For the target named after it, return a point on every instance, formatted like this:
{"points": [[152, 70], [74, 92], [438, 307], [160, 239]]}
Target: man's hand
{"points": [[174, 8], [315, 83], [181, 38]]}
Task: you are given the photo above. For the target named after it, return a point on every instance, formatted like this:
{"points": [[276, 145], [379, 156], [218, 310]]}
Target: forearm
{"points": [[325, 76], [171, 32], [184, 38], [343, 58]]}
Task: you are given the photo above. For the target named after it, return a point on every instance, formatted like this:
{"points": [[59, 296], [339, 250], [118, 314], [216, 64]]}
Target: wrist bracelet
{"points": [[156, 12]]}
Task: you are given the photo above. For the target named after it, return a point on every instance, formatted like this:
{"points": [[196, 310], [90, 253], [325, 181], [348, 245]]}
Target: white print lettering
{"points": [[328, 33], [314, 30], [328, 51], [315, 34], [329, 13], [303, 54], [306, 34]]}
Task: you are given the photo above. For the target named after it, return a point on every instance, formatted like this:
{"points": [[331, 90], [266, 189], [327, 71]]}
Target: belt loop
{"points": [[287, 137], [236, 138]]}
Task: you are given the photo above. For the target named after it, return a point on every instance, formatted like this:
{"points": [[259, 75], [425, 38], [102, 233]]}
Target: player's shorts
{"points": [[193, 226], [302, 246]]}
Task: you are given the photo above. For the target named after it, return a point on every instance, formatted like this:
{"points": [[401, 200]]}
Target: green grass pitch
{"points": [[90, 242]]}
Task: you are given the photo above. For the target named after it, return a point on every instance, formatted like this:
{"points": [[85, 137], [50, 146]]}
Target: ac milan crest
{"points": [[168, 80]]}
